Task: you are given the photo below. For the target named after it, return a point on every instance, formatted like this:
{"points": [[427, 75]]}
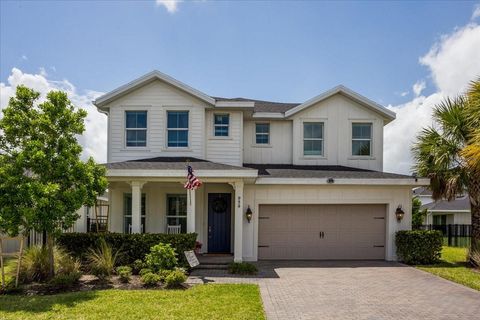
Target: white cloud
{"points": [[455, 59], [94, 139], [404, 93], [170, 5], [24, 57], [476, 12], [453, 62], [418, 87]]}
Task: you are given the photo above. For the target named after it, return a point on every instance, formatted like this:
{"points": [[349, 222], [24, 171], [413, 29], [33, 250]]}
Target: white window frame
{"points": [[167, 216], [221, 125], [353, 122], [262, 133], [140, 109], [322, 154], [167, 129]]}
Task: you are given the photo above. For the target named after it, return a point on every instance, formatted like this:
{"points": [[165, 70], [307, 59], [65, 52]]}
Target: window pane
{"points": [[135, 119], [222, 119], [313, 130], [361, 147], [262, 139], [130, 119], [221, 131], [361, 130], [136, 138], [262, 128], [177, 119], [141, 119], [312, 147], [178, 138]]}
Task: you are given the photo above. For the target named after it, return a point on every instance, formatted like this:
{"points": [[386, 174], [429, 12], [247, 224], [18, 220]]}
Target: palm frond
{"points": [[451, 117]]}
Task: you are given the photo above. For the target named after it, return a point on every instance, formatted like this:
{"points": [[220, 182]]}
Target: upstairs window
{"points": [[221, 123], [262, 133], [136, 128], [361, 139], [177, 128], [313, 138]]}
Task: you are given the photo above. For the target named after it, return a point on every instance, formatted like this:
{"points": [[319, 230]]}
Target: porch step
{"points": [[212, 266]]}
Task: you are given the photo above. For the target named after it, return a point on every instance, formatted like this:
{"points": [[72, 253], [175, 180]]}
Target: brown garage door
{"points": [[321, 232]]}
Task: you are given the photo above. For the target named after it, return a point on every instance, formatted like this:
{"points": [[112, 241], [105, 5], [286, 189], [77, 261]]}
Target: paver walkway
{"points": [[353, 290]]}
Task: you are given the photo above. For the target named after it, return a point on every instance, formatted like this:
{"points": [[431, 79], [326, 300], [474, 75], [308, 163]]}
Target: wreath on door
{"points": [[219, 205]]}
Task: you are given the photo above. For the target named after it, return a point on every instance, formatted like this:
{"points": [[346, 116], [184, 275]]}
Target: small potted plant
{"points": [[198, 247]]}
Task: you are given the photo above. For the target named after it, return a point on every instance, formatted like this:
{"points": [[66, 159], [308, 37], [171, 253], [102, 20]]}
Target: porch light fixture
{"points": [[249, 214], [399, 213]]}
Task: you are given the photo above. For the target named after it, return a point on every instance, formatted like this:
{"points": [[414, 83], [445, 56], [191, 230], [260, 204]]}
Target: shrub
{"points": [[133, 246], [419, 246], [242, 268], [124, 272], [66, 280], [150, 279], [102, 260], [163, 274], [35, 264], [175, 278], [144, 271], [161, 257], [137, 266]]}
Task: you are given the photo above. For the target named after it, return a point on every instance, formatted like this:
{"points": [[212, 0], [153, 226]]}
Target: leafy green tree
{"points": [[417, 214], [439, 153], [43, 181]]}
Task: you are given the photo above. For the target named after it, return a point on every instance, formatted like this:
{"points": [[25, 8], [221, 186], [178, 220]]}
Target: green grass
{"points": [[210, 301], [454, 268], [10, 266]]}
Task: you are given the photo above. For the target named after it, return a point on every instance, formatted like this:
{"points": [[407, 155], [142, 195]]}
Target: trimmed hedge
{"points": [[131, 246], [419, 246]]}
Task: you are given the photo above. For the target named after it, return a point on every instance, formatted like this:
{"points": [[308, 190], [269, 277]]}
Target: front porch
{"points": [[214, 211]]}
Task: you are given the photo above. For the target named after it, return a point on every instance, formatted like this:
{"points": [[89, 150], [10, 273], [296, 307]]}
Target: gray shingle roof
{"points": [[170, 163], [263, 106], [339, 172], [460, 204]]}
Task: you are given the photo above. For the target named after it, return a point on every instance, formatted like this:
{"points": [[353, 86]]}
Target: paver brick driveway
{"points": [[353, 290]]}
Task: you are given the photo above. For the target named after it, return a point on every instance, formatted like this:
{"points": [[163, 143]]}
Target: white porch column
{"points": [[136, 206], [190, 211], [238, 246]]}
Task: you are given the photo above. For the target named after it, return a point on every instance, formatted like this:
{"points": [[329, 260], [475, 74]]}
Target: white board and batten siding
{"points": [[278, 151], [227, 150], [338, 113], [156, 98]]}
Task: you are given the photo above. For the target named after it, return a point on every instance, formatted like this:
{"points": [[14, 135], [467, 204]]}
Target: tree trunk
{"points": [[50, 243], [474, 193]]}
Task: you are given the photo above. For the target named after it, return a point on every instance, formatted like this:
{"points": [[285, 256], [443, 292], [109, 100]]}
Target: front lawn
{"points": [[211, 301], [453, 267]]}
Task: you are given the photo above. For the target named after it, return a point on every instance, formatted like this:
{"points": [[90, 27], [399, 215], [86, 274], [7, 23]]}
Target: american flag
{"points": [[192, 181]]}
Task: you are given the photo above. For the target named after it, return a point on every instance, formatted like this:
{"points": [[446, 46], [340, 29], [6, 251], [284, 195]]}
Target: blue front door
{"points": [[219, 219]]}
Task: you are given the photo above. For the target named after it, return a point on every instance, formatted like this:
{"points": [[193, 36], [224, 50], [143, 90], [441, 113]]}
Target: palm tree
{"points": [[448, 152]]}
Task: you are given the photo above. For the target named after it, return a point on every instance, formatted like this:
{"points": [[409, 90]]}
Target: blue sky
{"points": [[286, 51]]}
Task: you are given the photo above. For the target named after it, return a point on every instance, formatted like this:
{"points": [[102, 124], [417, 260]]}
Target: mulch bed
{"points": [[88, 283]]}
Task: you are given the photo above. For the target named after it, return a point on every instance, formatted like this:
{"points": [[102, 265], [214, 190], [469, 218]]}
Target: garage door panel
{"points": [[322, 232]]}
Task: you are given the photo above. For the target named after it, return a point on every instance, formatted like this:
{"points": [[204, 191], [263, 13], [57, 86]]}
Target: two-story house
{"points": [[310, 174]]}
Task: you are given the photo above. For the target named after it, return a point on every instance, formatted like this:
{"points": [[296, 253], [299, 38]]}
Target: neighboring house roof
{"points": [[304, 171], [171, 163], [459, 204], [422, 191], [260, 107]]}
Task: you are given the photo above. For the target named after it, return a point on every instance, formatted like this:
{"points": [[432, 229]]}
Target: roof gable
{"points": [[145, 79], [384, 112]]}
